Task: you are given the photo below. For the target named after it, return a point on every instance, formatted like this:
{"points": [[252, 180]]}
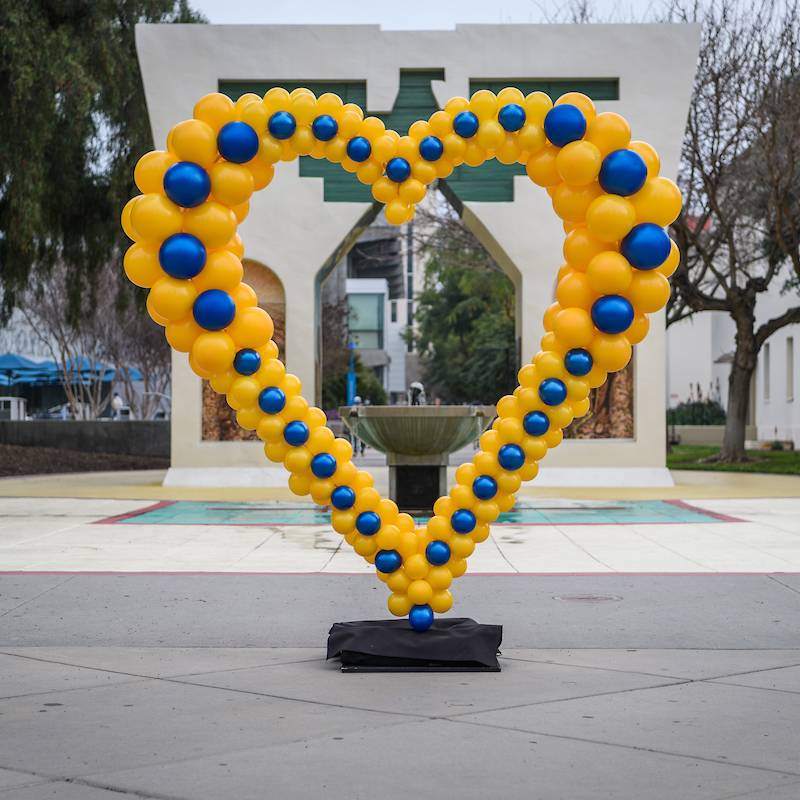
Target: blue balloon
{"points": [[368, 523], [463, 521], [325, 127], [552, 391], [182, 256], [431, 148], [511, 457], [187, 184], [247, 361], [296, 433], [323, 465], [388, 561], [465, 124], [612, 314], [511, 117], [271, 400], [359, 149], [564, 124], [398, 169], [536, 423], [484, 487], [237, 142], [437, 552], [647, 246], [214, 310], [623, 172], [421, 618], [282, 125], [578, 362], [343, 498]]}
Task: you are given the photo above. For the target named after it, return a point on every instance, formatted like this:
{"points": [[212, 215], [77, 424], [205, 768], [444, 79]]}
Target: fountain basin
{"points": [[417, 441]]}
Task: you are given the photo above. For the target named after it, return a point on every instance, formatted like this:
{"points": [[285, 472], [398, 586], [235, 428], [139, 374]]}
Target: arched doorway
{"points": [[219, 420]]}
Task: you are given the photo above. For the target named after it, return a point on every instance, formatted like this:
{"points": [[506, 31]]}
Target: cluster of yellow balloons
{"points": [[618, 257]]}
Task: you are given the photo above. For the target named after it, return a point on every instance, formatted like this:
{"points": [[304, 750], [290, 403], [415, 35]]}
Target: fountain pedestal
{"points": [[417, 441]]}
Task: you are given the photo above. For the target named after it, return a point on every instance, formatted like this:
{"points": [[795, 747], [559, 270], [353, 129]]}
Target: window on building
{"points": [[394, 310], [366, 320], [766, 371], [790, 368]]}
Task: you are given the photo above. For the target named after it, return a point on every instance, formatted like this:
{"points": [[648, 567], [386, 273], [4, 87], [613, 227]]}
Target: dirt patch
{"points": [[16, 460]]}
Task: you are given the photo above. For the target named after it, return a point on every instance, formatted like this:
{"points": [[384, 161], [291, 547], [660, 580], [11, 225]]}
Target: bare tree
{"points": [[89, 338], [739, 230]]}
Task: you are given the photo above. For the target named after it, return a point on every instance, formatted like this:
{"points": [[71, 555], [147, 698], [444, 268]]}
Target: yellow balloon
{"points": [[579, 163], [416, 566], [537, 104], [231, 184], [575, 290], [580, 247], [572, 202], [399, 605], [610, 351], [182, 334], [172, 298], [581, 101], [490, 134], [155, 218], [213, 223], [659, 201], [672, 262], [223, 270], [649, 291], [541, 167], [441, 601], [610, 217], [574, 327], [461, 546], [483, 104], [142, 266], [215, 110], [194, 140], [649, 156], [609, 273], [213, 351], [608, 132], [420, 592], [150, 170]]}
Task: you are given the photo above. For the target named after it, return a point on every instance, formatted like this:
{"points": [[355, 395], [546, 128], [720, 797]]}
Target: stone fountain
{"points": [[417, 441]]}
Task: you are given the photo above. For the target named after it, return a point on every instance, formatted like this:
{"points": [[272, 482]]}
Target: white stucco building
{"points": [[312, 213], [700, 350]]}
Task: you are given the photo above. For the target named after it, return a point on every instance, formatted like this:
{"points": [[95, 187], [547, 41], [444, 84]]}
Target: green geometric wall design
{"points": [[492, 182]]}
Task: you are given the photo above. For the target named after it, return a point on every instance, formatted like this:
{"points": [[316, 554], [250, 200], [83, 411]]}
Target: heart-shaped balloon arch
{"points": [[186, 250]]}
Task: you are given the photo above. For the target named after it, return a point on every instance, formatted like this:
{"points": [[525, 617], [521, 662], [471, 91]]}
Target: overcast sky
{"points": [[406, 14]]}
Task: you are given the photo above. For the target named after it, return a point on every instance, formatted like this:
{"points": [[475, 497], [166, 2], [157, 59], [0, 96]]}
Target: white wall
{"points": [[654, 64]]}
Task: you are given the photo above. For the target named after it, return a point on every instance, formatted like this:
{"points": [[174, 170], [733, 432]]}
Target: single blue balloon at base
{"points": [[511, 457], [578, 362], [465, 124], [536, 423], [388, 561], [552, 391], [437, 552], [187, 184], [359, 149], [368, 523], [511, 117], [612, 314], [431, 148], [343, 498], [564, 124], [623, 172], [247, 361], [281, 125], [324, 127], [182, 256], [421, 618], [214, 310], [463, 521], [398, 169], [237, 142], [271, 400], [484, 487], [323, 465], [296, 433], [647, 246]]}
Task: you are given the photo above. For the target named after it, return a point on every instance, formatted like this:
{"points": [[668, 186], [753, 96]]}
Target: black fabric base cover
{"points": [[388, 645]]}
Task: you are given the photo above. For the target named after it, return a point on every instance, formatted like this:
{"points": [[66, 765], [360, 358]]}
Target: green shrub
{"points": [[697, 412]]}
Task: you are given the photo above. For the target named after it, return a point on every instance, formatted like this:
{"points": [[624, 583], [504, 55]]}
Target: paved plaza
{"points": [[162, 644]]}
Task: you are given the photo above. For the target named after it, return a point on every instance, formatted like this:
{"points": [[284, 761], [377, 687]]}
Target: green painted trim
{"points": [[491, 183]]}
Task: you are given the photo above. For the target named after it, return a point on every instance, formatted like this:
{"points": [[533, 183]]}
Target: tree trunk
{"points": [[744, 364], [736, 420]]}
